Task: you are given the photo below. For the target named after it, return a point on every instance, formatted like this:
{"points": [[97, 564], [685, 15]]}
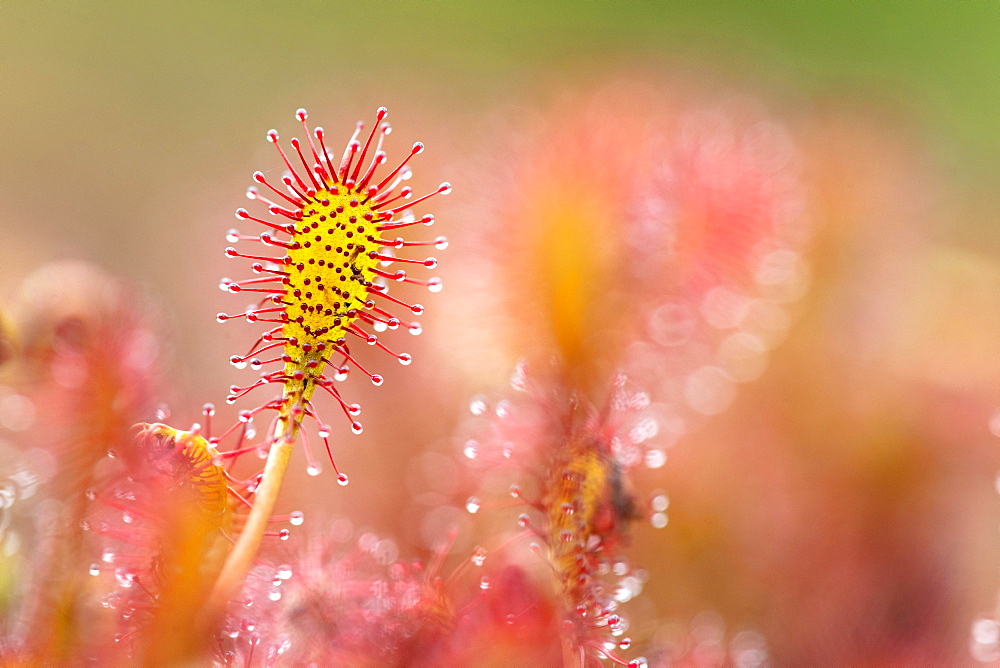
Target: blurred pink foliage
{"points": [[694, 298]]}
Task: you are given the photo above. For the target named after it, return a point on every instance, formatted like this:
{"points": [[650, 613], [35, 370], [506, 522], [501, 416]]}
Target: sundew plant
{"points": [[629, 262]]}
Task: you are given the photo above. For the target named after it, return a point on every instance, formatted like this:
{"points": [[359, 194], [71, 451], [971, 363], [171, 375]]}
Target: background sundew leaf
{"points": [[86, 375]]}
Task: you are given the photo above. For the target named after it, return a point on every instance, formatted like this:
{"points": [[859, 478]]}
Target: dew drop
{"points": [[377, 380], [519, 378], [628, 588], [471, 450], [314, 469], [405, 359], [342, 479], [296, 518], [472, 505], [478, 557], [415, 328], [284, 534], [357, 427], [124, 578], [255, 364], [435, 285], [624, 643], [655, 458]]}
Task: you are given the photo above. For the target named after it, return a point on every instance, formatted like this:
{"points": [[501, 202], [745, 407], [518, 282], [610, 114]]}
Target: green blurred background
{"points": [[132, 125]]}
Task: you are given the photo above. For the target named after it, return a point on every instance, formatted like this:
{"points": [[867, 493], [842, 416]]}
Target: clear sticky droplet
{"points": [[655, 458], [472, 505], [314, 469], [477, 406], [478, 557], [95, 569], [660, 502], [296, 518], [342, 479]]}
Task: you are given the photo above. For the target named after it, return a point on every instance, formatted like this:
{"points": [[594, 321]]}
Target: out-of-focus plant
{"points": [[633, 259]]}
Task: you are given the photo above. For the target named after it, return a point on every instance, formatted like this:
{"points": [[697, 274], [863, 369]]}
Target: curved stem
{"points": [[243, 553]]}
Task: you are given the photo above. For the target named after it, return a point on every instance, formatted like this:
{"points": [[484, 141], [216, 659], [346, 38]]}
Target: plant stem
{"points": [[243, 553]]}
